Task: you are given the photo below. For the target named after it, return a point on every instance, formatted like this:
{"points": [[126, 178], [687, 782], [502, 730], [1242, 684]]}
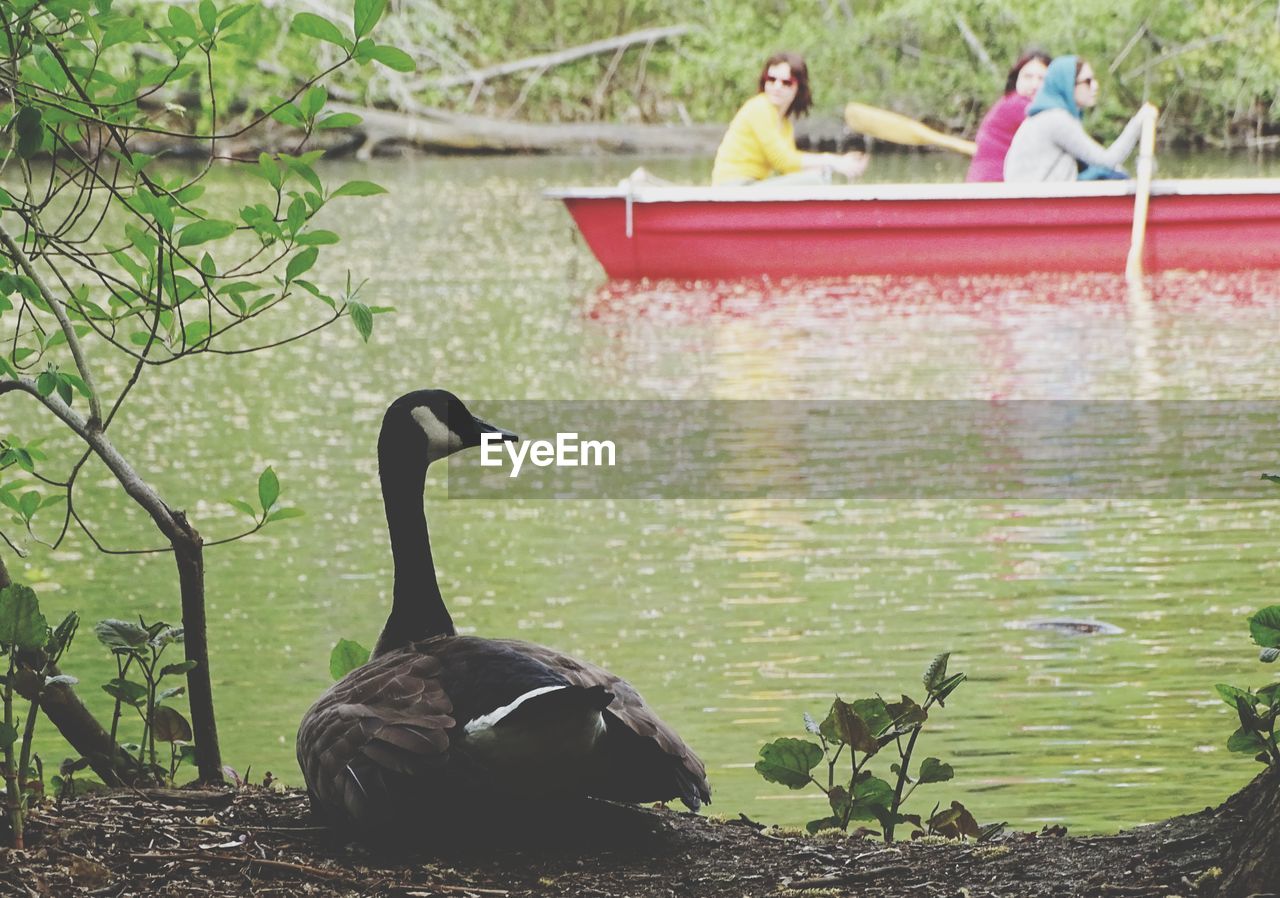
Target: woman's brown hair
{"points": [[799, 71], [1011, 84]]}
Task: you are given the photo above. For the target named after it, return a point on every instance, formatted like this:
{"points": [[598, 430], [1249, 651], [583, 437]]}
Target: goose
{"points": [[438, 726]]}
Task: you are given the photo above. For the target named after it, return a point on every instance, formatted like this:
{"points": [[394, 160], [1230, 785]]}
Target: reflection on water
{"points": [[733, 616]]}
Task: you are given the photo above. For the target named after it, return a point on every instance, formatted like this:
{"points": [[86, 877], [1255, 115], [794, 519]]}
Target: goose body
{"points": [[436, 724]]}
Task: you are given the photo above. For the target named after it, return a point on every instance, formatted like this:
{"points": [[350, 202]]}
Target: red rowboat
{"points": [[733, 232]]}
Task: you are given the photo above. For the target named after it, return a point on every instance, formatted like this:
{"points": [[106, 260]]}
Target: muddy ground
{"points": [[262, 841]]}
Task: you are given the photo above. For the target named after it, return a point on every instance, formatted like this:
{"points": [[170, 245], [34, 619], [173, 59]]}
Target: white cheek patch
{"points": [[440, 439]]}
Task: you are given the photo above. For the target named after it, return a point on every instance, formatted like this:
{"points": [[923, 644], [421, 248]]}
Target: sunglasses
{"points": [[1092, 82], [785, 82]]}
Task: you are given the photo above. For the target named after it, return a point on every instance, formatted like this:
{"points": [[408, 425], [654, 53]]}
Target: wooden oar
{"points": [[895, 128], [1142, 196]]}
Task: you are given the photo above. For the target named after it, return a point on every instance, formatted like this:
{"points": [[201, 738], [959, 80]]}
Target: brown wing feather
{"points": [[382, 723], [629, 707]]}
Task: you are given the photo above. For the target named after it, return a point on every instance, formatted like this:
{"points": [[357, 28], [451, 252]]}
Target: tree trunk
{"points": [[1252, 863], [188, 549]]}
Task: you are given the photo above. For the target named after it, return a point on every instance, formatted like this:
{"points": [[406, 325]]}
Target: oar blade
{"points": [[896, 128]]}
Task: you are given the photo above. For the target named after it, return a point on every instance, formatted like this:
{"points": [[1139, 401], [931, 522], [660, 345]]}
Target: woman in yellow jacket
{"points": [[760, 143]]}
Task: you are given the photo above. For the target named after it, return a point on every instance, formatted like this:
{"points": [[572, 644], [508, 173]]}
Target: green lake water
{"points": [[732, 615]]}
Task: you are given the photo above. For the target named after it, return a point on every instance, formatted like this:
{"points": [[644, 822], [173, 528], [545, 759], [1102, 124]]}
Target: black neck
{"points": [[417, 608]]}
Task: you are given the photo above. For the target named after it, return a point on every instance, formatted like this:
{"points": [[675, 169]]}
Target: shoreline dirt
{"points": [[262, 842]]}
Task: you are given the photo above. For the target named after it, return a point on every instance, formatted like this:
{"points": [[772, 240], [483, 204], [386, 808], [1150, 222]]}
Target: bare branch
{"points": [[560, 57]]}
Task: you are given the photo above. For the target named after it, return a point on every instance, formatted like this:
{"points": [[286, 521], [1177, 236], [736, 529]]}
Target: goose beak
{"points": [[507, 436]]}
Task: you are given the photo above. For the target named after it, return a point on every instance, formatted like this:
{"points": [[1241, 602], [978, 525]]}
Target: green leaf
{"points": [[362, 318], [179, 669], [319, 27], [872, 799], [340, 120], [936, 672], [204, 231], [301, 263], [169, 726], [284, 514], [907, 713], [1264, 626], [1230, 694], [358, 188], [268, 488], [317, 238], [934, 771], [393, 58], [346, 657], [127, 691], [22, 626], [788, 761], [1246, 742], [120, 634], [8, 736], [875, 713], [843, 725], [241, 505], [367, 14], [208, 15]]}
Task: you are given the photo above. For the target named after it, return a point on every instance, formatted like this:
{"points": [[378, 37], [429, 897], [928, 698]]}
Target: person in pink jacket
{"points": [[1002, 121]]}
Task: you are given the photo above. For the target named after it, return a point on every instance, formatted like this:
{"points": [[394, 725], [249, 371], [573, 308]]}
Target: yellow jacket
{"points": [[759, 143]]}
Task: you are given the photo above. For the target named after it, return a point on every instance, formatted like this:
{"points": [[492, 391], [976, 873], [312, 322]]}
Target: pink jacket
{"points": [[994, 136]]}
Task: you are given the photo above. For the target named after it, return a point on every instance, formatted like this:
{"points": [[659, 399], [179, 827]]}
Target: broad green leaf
{"points": [[358, 188], [208, 15], [1246, 742], [393, 58], [906, 713], [788, 761], [843, 725], [120, 634], [1264, 626], [319, 27], [127, 691], [241, 505], [317, 238], [284, 514], [8, 736], [872, 799], [268, 488], [875, 713], [367, 14], [362, 318], [340, 120], [1230, 694], [204, 231], [22, 626], [346, 657], [301, 263], [169, 726], [179, 669], [934, 771], [172, 692], [164, 635]]}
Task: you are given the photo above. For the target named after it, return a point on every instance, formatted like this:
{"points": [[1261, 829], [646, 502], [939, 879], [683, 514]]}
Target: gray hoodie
{"points": [[1047, 145]]}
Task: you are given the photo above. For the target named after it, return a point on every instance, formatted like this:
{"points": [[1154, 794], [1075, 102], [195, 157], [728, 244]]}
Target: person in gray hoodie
{"points": [[1052, 140]]}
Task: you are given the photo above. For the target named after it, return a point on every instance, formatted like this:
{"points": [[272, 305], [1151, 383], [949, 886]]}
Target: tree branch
{"points": [[60, 311]]}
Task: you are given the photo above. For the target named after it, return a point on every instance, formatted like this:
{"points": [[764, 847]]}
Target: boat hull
{"points": [[693, 233]]}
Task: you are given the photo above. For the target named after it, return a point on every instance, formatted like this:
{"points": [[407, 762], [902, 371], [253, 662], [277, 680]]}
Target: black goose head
{"points": [[427, 425]]}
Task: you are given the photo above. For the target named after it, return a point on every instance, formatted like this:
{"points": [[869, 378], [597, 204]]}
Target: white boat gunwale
{"points": [[765, 193]]}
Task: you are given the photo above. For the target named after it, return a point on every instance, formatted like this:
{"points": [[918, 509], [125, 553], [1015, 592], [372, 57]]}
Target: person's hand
{"points": [[851, 164]]}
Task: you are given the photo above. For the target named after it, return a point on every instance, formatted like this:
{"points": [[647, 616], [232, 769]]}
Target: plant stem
{"points": [[902, 778]]}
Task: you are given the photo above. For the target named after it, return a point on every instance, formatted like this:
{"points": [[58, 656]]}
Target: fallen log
{"points": [[435, 130]]}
